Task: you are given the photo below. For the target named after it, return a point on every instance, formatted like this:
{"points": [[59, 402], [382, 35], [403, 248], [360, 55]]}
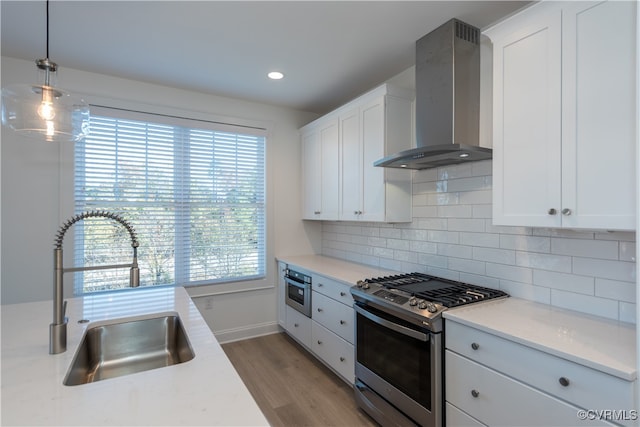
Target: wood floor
{"points": [[291, 387]]}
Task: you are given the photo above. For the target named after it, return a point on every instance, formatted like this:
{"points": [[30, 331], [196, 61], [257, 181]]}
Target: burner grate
{"points": [[448, 293]]}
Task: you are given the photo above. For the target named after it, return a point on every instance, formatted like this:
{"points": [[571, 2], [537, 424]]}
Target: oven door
{"points": [[401, 363], [298, 296]]}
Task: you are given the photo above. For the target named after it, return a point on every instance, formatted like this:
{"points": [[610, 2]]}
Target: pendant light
{"points": [[45, 111]]}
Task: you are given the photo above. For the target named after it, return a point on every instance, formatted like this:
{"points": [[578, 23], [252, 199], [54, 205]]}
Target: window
{"points": [[193, 191]]}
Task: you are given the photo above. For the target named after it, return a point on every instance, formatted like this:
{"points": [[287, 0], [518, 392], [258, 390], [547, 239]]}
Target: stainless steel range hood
{"points": [[447, 100]]}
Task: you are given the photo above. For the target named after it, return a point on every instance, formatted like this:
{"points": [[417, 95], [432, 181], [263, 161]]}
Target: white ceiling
{"points": [[330, 52]]}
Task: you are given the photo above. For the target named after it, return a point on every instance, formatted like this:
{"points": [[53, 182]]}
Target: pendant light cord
{"points": [[47, 29]]}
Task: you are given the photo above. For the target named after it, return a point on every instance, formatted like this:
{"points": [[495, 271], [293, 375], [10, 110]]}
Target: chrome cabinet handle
{"points": [[295, 325], [319, 342], [342, 322], [342, 359], [475, 393], [316, 212], [342, 294], [564, 382], [475, 345], [319, 310], [320, 285], [552, 211], [566, 211]]}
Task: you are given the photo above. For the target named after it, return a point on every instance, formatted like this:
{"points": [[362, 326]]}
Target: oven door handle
{"points": [[393, 326]]}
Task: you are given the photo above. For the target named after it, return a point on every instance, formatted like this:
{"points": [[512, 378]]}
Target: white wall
{"points": [[37, 184], [452, 236]]}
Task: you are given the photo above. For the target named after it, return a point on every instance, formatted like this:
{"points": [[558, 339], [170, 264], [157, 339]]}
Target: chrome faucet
{"points": [[58, 329]]}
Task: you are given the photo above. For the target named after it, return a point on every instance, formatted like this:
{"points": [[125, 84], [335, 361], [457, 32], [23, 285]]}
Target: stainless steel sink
{"points": [[127, 346]]}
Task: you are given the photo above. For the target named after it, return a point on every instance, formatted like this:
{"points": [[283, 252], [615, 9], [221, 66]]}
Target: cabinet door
{"points": [[299, 326], [329, 170], [351, 165], [312, 200], [373, 142], [599, 115], [282, 292], [527, 126]]}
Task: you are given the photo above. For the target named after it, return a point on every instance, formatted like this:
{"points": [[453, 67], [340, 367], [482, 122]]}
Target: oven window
{"points": [[402, 361], [296, 293]]}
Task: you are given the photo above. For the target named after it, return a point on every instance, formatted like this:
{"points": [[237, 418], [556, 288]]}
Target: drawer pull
{"points": [[342, 294], [475, 345], [564, 382], [295, 325], [319, 342], [320, 285], [342, 322], [320, 310], [475, 393], [342, 359]]}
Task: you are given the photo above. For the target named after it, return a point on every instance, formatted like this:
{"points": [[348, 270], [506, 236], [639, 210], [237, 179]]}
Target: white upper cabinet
{"points": [[366, 129], [564, 109], [320, 156]]}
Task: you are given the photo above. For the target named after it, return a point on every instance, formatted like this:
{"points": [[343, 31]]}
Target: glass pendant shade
{"points": [[45, 112]]}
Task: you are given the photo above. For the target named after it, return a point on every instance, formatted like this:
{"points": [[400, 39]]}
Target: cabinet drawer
{"points": [[497, 400], [586, 387], [332, 288], [333, 315], [456, 418], [298, 326], [337, 353]]}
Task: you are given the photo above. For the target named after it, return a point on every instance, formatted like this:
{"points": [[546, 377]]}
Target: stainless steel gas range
{"points": [[399, 344]]}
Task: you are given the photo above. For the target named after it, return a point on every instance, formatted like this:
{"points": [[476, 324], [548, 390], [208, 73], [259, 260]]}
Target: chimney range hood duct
{"points": [[447, 100]]}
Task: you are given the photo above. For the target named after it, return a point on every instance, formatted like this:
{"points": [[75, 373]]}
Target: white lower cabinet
{"points": [[498, 382], [334, 351], [329, 333], [299, 326]]}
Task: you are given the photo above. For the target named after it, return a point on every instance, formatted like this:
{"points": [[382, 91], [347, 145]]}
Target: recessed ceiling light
{"points": [[275, 75]]}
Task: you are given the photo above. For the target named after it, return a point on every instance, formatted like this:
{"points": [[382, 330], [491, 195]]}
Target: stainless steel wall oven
{"points": [[399, 345], [298, 294]]}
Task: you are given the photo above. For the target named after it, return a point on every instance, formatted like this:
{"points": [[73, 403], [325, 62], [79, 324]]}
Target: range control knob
{"points": [[431, 308], [422, 304], [359, 283], [365, 285], [413, 301]]}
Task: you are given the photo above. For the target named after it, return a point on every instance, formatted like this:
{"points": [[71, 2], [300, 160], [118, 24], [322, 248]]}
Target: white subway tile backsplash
{"points": [[564, 281], [456, 251], [452, 236], [500, 256], [510, 272], [627, 251], [466, 224], [543, 261], [482, 211], [596, 306], [614, 289], [489, 240], [616, 270], [454, 211], [525, 243], [585, 248], [467, 265], [627, 312], [526, 291]]}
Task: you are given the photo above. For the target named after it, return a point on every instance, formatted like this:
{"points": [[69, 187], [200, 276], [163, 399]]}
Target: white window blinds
{"points": [[194, 191]]}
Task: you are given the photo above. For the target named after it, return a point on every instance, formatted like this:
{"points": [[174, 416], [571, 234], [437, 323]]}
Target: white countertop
{"points": [[204, 391], [598, 343], [337, 269]]}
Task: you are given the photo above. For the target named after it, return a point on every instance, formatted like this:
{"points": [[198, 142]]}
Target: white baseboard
{"points": [[246, 332]]}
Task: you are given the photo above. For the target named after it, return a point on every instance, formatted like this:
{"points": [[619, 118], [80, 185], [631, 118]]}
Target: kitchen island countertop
{"points": [[206, 390]]}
